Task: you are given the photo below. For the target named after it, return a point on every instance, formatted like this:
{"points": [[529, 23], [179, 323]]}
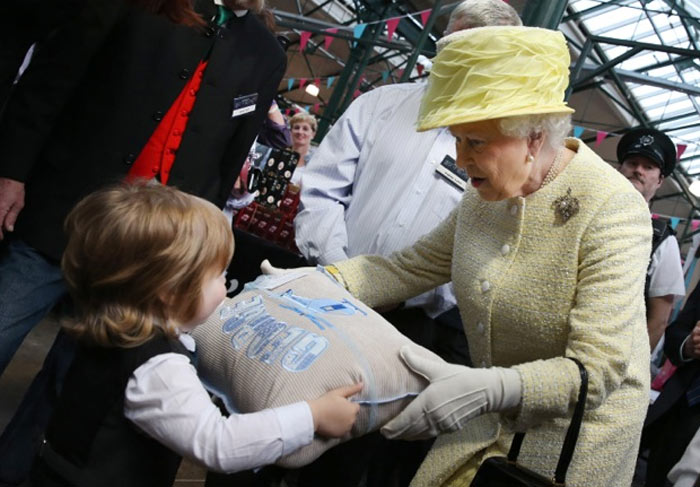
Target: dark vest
{"points": [[662, 230], [89, 442]]}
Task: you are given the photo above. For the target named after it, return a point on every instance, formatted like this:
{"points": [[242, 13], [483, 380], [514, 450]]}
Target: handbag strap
{"points": [[572, 432]]}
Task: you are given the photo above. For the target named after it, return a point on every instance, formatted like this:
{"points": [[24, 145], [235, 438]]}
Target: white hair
{"points": [[481, 13], [554, 126]]}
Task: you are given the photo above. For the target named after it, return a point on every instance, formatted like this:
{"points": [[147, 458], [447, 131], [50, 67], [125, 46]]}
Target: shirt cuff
{"points": [[332, 256], [296, 426], [681, 354]]}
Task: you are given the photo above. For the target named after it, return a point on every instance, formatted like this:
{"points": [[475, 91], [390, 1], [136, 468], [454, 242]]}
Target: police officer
{"points": [[646, 158]]}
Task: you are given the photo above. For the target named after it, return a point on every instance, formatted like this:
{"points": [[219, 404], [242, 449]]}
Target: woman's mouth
{"points": [[476, 182]]}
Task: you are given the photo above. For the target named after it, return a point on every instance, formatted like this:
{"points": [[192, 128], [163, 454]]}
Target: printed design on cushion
{"points": [[311, 308], [267, 339]]}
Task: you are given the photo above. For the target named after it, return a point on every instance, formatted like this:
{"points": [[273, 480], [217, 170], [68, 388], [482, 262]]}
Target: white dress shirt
{"points": [[371, 187], [166, 400]]}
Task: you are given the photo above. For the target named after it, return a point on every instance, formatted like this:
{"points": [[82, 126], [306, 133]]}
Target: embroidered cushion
{"points": [[296, 336]]}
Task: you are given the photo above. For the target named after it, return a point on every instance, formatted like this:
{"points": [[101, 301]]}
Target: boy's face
{"points": [[213, 293]]}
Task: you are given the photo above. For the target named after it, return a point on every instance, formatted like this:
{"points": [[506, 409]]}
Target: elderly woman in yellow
{"points": [[547, 251]]}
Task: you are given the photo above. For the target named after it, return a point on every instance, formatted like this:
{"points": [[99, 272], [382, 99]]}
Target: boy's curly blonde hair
{"points": [[136, 259]]}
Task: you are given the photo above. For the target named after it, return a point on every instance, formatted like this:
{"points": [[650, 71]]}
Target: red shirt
{"points": [[157, 157]]}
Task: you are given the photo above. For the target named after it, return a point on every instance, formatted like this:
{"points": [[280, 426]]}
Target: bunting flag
{"points": [[419, 68], [307, 108], [317, 82], [302, 82], [358, 30], [674, 222], [424, 16], [290, 83], [399, 73], [578, 131], [356, 94], [304, 39], [385, 75], [680, 149], [287, 111], [695, 224], [654, 216], [327, 41], [316, 107], [391, 25], [329, 81], [600, 136]]}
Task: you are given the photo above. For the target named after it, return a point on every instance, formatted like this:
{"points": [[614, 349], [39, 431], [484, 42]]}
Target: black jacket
{"points": [[104, 105]]}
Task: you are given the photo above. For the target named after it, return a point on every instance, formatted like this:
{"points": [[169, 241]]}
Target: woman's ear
{"points": [[534, 143]]}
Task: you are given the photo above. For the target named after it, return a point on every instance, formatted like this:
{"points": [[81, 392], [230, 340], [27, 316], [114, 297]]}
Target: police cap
{"points": [[649, 143]]}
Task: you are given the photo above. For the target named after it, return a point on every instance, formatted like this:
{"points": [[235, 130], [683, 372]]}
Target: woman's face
{"points": [[496, 164], [302, 134]]}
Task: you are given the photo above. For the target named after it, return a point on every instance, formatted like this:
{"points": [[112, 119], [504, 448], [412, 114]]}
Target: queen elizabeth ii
{"points": [[547, 251]]}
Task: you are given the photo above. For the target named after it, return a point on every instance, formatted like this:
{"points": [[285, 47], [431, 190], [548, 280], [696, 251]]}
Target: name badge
{"points": [[454, 175], [244, 104]]}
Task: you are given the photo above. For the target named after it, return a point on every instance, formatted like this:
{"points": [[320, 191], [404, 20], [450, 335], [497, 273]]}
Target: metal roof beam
{"points": [[603, 6]]}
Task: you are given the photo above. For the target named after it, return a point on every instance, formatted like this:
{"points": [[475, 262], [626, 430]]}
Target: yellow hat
{"points": [[494, 72]]}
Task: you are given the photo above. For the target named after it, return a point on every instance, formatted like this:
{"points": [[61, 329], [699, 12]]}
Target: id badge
{"points": [[244, 104], [454, 175]]}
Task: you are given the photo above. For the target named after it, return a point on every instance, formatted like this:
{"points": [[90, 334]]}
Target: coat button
{"points": [[505, 250], [209, 31], [483, 364], [485, 286], [158, 116], [129, 159], [514, 210], [480, 327], [185, 73]]}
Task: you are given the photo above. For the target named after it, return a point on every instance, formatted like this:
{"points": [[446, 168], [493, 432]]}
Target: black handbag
{"points": [[505, 471]]}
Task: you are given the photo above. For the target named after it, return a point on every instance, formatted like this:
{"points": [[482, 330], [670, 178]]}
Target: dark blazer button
{"points": [[129, 159], [185, 73], [209, 31], [158, 116]]}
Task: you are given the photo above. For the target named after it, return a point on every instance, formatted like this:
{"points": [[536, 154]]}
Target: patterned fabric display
{"points": [[294, 337]]}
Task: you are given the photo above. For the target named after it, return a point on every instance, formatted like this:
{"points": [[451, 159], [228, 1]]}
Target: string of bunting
{"points": [[675, 220], [601, 135]]}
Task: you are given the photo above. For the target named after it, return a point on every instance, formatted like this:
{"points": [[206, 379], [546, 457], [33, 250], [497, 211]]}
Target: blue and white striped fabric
{"points": [[371, 187]]}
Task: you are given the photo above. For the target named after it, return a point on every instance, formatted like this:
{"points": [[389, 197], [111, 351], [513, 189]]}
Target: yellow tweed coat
{"points": [[531, 290]]}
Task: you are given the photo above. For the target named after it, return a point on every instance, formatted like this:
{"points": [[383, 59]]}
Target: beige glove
{"points": [[269, 270], [455, 395]]}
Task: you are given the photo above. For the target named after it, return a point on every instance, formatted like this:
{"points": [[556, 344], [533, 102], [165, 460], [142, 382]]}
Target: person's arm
{"points": [[686, 472], [666, 282], [658, 311], [380, 281], [679, 335], [274, 131], [166, 400], [606, 324], [326, 192]]}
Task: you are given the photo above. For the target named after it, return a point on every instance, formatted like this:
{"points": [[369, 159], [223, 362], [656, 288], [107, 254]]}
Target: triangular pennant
{"points": [[290, 83], [399, 73], [307, 108], [578, 131], [287, 111], [419, 68], [317, 82], [600, 136], [680, 149], [391, 25], [302, 82], [358, 30], [385, 75], [424, 16], [329, 81], [356, 94], [327, 41], [674, 222], [695, 224], [316, 107], [654, 216], [303, 39]]}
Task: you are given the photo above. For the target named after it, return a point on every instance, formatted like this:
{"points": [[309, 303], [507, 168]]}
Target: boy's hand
{"points": [[333, 413]]}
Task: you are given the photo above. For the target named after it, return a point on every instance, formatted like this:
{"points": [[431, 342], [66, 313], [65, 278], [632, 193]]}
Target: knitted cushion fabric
{"points": [[294, 337]]}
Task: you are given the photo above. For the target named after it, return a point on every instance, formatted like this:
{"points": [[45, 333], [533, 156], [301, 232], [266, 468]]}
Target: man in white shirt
{"points": [[375, 186], [647, 157]]}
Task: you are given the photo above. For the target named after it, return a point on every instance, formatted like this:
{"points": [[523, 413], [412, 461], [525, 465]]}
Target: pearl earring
{"points": [[530, 159]]}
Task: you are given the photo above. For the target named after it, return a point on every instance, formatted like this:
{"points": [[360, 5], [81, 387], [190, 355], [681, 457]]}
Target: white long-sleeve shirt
{"points": [[165, 398], [371, 187]]}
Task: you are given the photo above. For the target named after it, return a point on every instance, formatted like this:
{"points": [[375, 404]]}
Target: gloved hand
{"points": [[455, 395], [270, 270]]}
